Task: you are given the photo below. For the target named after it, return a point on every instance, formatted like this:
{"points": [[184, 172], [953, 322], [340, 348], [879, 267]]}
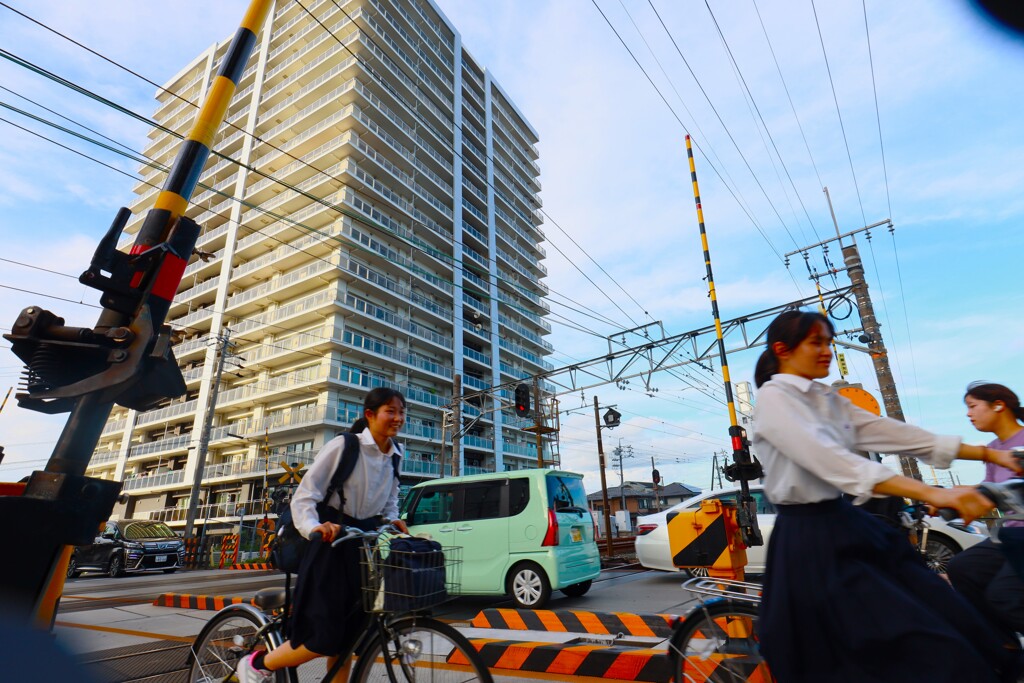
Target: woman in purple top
{"points": [[981, 573]]}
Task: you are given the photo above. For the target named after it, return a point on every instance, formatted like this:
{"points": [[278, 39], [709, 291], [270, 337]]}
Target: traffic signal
{"points": [[523, 400]]}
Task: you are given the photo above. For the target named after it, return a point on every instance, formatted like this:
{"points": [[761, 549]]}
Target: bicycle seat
{"points": [[270, 598]]}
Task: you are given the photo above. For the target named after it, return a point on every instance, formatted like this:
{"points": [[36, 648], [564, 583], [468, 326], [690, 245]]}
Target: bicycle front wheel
{"points": [[718, 642], [421, 649], [231, 634]]}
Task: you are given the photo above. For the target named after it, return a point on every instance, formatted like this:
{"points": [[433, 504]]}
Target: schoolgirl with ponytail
{"points": [[846, 597]]}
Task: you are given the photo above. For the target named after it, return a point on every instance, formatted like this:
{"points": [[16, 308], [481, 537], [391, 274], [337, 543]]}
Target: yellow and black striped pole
{"points": [[134, 309], [173, 200], [743, 468]]}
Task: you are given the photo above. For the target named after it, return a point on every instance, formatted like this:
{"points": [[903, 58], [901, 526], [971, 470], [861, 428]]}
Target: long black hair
{"points": [[373, 401], [991, 392], [790, 328]]}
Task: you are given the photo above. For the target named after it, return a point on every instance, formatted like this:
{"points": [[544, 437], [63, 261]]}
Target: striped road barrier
{"points": [[577, 621], [206, 602], [565, 659]]}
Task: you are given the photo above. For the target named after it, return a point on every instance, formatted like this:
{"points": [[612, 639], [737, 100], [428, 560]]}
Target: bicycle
{"points": [[718, 641], [399, 644]]}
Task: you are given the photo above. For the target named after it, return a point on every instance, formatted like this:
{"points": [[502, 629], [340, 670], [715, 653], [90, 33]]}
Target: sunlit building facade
{"points": [[370, 218]]}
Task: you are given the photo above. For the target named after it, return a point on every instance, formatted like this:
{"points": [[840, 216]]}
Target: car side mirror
{"points": [[107, 535]]}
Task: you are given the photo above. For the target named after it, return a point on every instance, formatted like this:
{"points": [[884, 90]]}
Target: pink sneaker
{"points": [[247, 673]]}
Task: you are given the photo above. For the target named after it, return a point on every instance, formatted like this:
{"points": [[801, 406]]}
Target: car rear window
{"points": [[566, 493], [134, 530]]}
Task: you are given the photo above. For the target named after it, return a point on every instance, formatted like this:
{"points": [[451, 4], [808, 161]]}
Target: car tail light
{"points": [[642, 529], [551, 537]]}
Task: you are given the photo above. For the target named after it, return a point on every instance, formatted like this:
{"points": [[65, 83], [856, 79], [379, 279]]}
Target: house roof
{"points": [[634, 489]]}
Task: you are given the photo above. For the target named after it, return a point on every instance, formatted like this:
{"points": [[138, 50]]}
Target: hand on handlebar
{"points": [[966, 500], [328, 531]]}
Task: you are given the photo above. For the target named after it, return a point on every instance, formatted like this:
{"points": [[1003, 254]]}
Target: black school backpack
{"points": [[289, 544]]}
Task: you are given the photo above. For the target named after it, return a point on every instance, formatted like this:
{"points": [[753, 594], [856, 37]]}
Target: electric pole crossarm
{"points": [[839, 238]]}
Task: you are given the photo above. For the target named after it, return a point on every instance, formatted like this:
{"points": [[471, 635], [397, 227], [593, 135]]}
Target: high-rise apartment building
{"points": [[370, 218]]}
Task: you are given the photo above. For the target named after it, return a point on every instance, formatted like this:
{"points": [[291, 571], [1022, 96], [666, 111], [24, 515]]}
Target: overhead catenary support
{"points": [[744, 467]]}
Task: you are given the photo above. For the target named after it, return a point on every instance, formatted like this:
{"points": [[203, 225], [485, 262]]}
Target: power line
{"points": [[683, 126], [842, 127]]}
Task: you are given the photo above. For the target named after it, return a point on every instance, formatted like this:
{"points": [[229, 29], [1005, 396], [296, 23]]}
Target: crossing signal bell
{"points": [[522, 399]]}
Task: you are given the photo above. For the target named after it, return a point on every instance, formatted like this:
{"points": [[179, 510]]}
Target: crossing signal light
{"points": [[522, 399]]}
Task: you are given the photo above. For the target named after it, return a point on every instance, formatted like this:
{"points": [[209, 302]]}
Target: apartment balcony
{"points": [[298, 313], [259, 466], [152, 481], [382, 349], [374, 312], [524, 353], [281, 288], [482, 358], [282, 350], [526, 333], [165, 445], [172, 412], [103, 458], [115, 426], [478, 442]]}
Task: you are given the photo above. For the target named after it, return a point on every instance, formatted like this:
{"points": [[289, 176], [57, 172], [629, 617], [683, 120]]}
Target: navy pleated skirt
{"points": [[328, 614], [848, 599]]}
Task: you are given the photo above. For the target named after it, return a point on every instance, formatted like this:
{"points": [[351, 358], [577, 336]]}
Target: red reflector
{"points": [[551, 537], [737, 443], [642, 529]]}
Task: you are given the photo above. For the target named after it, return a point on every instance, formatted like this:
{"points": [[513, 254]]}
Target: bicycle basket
{"points": [[409, 574]]}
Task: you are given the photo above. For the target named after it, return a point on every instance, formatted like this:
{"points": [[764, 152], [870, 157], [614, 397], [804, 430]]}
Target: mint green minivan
{"points": [[523, 533]]}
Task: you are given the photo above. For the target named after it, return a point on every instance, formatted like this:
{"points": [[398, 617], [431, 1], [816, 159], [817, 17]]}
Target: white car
{"points": [[945, 539]]}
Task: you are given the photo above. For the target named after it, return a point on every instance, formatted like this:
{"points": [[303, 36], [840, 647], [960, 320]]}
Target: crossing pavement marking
{"points": [[125, 631]]}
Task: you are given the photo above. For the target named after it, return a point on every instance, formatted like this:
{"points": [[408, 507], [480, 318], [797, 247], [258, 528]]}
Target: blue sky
{"points": [[616, 181]]}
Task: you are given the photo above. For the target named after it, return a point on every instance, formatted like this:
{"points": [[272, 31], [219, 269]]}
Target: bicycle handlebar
{"points": [[351, 532]]}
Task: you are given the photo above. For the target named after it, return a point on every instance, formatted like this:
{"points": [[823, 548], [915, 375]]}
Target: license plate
{"points": [[577, 534], [161, 558]]}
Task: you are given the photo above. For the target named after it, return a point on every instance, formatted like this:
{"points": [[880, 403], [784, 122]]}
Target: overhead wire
{"points": [[697, 144], [888, 201], [258, 138], [458, 153], [764, 124], [717, 115]]}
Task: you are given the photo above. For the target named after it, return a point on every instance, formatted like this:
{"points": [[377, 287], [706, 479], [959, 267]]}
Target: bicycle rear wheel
{"points": [[231, 634], [718, 642], [421, 649]]}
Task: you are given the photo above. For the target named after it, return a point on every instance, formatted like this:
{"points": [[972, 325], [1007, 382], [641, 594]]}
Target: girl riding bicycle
{"points": [[982, 573], [328, 614], [847, 598]]}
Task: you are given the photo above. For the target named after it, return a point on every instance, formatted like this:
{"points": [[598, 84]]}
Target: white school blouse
{"points": [[805, 433], [372, 489]]}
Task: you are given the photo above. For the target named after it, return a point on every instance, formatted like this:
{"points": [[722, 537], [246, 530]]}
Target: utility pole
{"points": [[604, 483], [456, 424], [204, 438], [538, 422], [872, 333], [445, 417]]}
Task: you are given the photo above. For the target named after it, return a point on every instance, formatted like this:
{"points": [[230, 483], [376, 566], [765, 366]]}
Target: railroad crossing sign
{"points": [[292, 473]]}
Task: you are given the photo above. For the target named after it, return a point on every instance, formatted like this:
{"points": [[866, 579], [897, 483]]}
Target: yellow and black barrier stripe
{"points": [[251, 565], [577, 621], [563, 659], [205, 602]]}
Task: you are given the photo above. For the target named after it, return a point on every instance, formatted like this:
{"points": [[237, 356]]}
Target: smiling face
{"points": [[387, 421], [984, 414], [811, 358]]}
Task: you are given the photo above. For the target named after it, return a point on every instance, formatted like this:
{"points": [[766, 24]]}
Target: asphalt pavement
{"points": [[112, 626]]}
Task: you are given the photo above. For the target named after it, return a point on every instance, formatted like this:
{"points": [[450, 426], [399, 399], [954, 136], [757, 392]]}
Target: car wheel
{"points": [[116, 568], [577, 589], [73, 569], [529, 586], [938, 552]]}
